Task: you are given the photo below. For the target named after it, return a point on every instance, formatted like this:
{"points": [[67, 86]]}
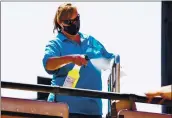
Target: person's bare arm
{"points": [[165, 92], [55, 63]]}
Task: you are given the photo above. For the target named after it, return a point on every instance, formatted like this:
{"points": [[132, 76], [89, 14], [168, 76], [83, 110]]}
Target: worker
{"points": [[66, 50]]}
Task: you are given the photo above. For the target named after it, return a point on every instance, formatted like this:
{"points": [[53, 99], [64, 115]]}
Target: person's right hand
{"points": [[165, 92], [79, 60]]}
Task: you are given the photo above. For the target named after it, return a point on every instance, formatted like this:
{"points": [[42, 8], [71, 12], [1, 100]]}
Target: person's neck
{"points": [[73, 37]]}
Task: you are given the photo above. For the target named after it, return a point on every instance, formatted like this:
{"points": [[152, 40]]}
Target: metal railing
{"points": [[112, 94], [81, 92]]}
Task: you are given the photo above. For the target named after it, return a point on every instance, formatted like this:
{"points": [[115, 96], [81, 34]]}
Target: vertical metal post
{"points": [[113, 76], [166, 48], [116, 74], [115, 79], [109, 101]]}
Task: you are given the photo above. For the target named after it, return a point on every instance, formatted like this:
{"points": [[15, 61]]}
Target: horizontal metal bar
{"points": [[81, 92]]}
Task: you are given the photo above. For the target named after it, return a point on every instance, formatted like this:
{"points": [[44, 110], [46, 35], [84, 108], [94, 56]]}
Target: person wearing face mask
{"points": [[62, 53]]}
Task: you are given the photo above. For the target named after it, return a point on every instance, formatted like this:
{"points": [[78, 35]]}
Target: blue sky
{"points": [[131, 29]]}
